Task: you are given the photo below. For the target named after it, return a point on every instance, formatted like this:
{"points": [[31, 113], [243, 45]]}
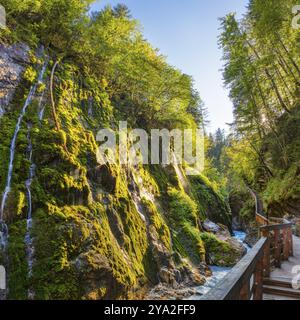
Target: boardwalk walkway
{"points": [[267, 271], [279, 285]]}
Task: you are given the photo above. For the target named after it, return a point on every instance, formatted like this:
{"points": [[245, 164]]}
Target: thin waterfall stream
{"points": [[3, 225], [28, 239], [41, 109]]}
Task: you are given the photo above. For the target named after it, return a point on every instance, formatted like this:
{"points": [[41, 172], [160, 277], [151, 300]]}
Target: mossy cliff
{"points": [[98, 231]]}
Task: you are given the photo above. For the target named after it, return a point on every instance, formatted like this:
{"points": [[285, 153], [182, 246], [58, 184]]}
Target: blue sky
{"points": [[186, 32]]}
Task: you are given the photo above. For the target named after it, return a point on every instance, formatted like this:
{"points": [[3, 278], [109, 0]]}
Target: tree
{"points": [[122, 11]]}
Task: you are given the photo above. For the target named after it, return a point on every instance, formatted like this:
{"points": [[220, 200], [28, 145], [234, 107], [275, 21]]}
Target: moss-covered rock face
{"points": [[98, 231], [212, 204], [222, 253]]}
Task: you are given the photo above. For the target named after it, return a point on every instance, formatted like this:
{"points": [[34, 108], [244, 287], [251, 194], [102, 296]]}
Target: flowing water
{"points": [[41, 108], [28, 239], [241, 236], [3, 227], [13, 142], [218, 273]]}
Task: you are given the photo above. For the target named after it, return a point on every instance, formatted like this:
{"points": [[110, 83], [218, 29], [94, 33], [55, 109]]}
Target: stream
{"points": [[218, 273]]}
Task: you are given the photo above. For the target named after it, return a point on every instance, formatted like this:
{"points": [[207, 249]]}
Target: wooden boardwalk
{"points": [[279, 285], [268, 270]]}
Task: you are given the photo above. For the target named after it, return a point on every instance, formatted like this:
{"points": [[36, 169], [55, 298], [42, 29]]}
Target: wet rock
{"points": [[221, 248], [204, 270], [236, 223], [253, 234], [104, 177], [210, 226], [116, 226], [162, 292], [94, 273], [167, 276], [12, 64]]}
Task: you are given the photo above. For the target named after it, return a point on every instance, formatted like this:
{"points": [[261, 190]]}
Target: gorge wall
{"points": [[94, 231]]}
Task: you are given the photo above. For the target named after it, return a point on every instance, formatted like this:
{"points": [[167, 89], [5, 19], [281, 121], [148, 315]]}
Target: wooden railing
{"points": [[261, 220], [245, 280], [281, 243]]}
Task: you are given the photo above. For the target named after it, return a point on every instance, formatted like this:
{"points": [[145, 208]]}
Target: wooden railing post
{"points": [[267, 254], [258, 280], [290, 241], [277, 247], [245, 292], [286, 244]]}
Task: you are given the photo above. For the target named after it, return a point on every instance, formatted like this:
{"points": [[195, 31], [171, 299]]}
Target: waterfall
{"points": [[28, 239], [13, 142], [40, 108], [3, 226], [3, 235]]}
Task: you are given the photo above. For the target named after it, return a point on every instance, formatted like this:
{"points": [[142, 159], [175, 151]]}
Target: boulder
{"points": [[210, 226], [221, 248]]}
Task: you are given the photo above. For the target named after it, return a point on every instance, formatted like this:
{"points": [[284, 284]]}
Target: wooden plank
{"points": [[277, 226], [286, 292], [277, 283]]}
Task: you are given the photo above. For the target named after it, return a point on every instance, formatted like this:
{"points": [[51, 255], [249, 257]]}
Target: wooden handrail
{"points": [[277, 226], [275, 245], [260, 219], [236, 284]]}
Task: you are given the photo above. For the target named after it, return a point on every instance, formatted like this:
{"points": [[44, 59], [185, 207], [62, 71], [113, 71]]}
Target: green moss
{"points": [[185, 226], [211, 203], [21, 203], [18, 281], [82, 250], [218, 252], [158, 223], [30, 74]]}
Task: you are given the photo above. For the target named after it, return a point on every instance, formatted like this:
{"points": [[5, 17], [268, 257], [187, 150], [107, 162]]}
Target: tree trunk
{"points": [[270, 77], [286, 67], [289, 55], [262, 160]]}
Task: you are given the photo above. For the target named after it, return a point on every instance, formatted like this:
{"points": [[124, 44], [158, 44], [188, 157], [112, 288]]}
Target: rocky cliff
{"points": [[75, 229]]}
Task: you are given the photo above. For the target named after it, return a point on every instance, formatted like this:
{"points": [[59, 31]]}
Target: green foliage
{"points": [[90, 239], [219, 252], [262, 71], [212, 204], [18, 281]]}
